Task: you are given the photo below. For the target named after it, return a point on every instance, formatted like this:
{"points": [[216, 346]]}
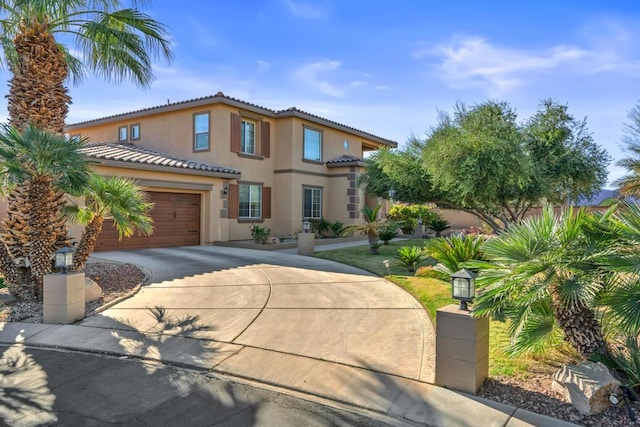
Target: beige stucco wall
{"points": [[212, 227], [284, 171]]}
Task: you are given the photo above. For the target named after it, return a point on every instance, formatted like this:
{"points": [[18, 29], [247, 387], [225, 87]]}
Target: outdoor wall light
{"points": [[463, 286], [64, 259], [225, 190], [306, 226]]}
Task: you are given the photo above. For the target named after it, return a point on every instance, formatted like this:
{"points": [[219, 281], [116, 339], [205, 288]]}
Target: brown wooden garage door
{"points": [[176, 222]]}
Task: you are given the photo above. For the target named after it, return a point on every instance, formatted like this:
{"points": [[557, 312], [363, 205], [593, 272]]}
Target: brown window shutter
{"points": [[266, 139], [235, 132], [266, 202], [234, 204]]}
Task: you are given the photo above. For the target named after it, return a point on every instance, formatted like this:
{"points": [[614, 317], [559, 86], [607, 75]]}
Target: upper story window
{"points": [[248, 137], [250, 201], [312, 145], [134, 132], [201, 131], [122, 134]]}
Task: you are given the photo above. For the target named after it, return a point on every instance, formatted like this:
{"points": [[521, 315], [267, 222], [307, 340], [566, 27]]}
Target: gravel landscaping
{"points": [[534, 394], [116, 280]]}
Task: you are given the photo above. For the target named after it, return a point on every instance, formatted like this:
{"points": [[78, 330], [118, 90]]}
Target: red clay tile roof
{"points": [[344, 160], [130, 153], [221, 97]]}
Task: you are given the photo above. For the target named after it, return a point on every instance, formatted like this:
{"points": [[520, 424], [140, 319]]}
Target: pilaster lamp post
{"points": [[64, 259], [463, 287]]}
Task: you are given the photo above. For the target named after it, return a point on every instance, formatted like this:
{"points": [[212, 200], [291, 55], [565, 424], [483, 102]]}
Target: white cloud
{"points": [[314, 76], [474, 62], [263, 65], [305, 10]]}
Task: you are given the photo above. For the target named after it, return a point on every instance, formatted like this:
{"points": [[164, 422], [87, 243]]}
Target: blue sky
{"points": [[387, 67]]}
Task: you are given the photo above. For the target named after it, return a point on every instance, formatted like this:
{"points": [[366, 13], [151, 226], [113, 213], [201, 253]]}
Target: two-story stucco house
{"points": [[215, 165]]}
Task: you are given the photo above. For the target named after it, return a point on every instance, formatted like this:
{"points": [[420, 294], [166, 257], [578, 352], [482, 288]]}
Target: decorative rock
{"points": [[274, 240], [6, 297], [586, 386], [92, 291]]}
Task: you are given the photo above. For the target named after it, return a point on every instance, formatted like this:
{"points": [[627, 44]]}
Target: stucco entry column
{"points": [[306, 243], [462, 349], [63, 298]]}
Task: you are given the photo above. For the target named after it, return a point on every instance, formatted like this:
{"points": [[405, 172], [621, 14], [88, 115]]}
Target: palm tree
{"points": [[629, 185], [109, 197], [544, 276], [46, 165], [371, 227], [116, 43]]}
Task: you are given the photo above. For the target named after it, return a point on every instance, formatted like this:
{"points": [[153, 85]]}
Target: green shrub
{"points": [[320, 226], [438, 225], [387, 233], [411, 256], [626, 361], [452, 251], [260, 234], [337, 227], [408, 216]]}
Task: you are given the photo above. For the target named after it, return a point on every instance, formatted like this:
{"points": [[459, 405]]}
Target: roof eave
{"points": [[161, 168], [335, 125], [344, 164], [172, 107]]}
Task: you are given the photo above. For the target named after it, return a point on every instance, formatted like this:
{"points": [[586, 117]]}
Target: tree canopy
{"points": [[482, 160]]}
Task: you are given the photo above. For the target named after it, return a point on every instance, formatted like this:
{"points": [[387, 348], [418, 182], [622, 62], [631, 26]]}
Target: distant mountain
{"points": [[597, 199]]}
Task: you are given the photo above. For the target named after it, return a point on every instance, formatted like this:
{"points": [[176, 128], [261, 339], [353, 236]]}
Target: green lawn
{"points": [[435, 293]]}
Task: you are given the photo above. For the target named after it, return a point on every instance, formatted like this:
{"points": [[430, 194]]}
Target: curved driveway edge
{"points": [[298, 323]]}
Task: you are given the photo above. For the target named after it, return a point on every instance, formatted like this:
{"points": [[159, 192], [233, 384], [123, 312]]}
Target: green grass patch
{"points": [[359, 256], [434, 294]]}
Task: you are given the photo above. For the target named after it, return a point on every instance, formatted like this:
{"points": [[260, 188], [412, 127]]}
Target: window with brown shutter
{"points": [[236, 123], [266, 139], [266, 202], [233, 201]]}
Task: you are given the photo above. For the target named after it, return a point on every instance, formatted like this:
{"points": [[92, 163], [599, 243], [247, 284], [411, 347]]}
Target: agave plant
{"points": [[411, 257], [453, 251]]}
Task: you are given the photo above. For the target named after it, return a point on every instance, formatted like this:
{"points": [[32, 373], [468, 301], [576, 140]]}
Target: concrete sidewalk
{"points": [[296, 323]]}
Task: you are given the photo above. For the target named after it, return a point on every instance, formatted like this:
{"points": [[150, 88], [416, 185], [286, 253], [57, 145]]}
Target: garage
{"points": [[176, 222]]}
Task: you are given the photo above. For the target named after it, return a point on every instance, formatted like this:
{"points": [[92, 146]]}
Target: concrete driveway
{"points": [[311, 328], [258, 305]]}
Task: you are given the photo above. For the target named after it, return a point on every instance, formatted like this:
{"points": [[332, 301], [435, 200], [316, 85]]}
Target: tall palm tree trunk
{"points": [[87, 242], [580, 327], [41, 198], [37, 93], [373, 242], [15, 230]]}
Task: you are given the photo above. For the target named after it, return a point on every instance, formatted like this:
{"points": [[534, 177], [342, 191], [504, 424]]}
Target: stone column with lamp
{"points": [[63, 293], [306, 240], [419, 233], [462, 342]]}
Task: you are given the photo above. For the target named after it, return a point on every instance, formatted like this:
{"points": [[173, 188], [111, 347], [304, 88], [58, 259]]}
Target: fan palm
{"points": [[629, 185], [544, 274], [372, 225], [46, 165], [114, 42], [109, 197]]}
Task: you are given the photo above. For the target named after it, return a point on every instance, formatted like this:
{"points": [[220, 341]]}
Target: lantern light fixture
{"points": [[463, 287], [64, 259]]}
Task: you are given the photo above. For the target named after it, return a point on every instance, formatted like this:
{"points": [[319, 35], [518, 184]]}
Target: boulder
{"points": [[92, 291], [586, 386], [6, 297], [274, 240]]}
